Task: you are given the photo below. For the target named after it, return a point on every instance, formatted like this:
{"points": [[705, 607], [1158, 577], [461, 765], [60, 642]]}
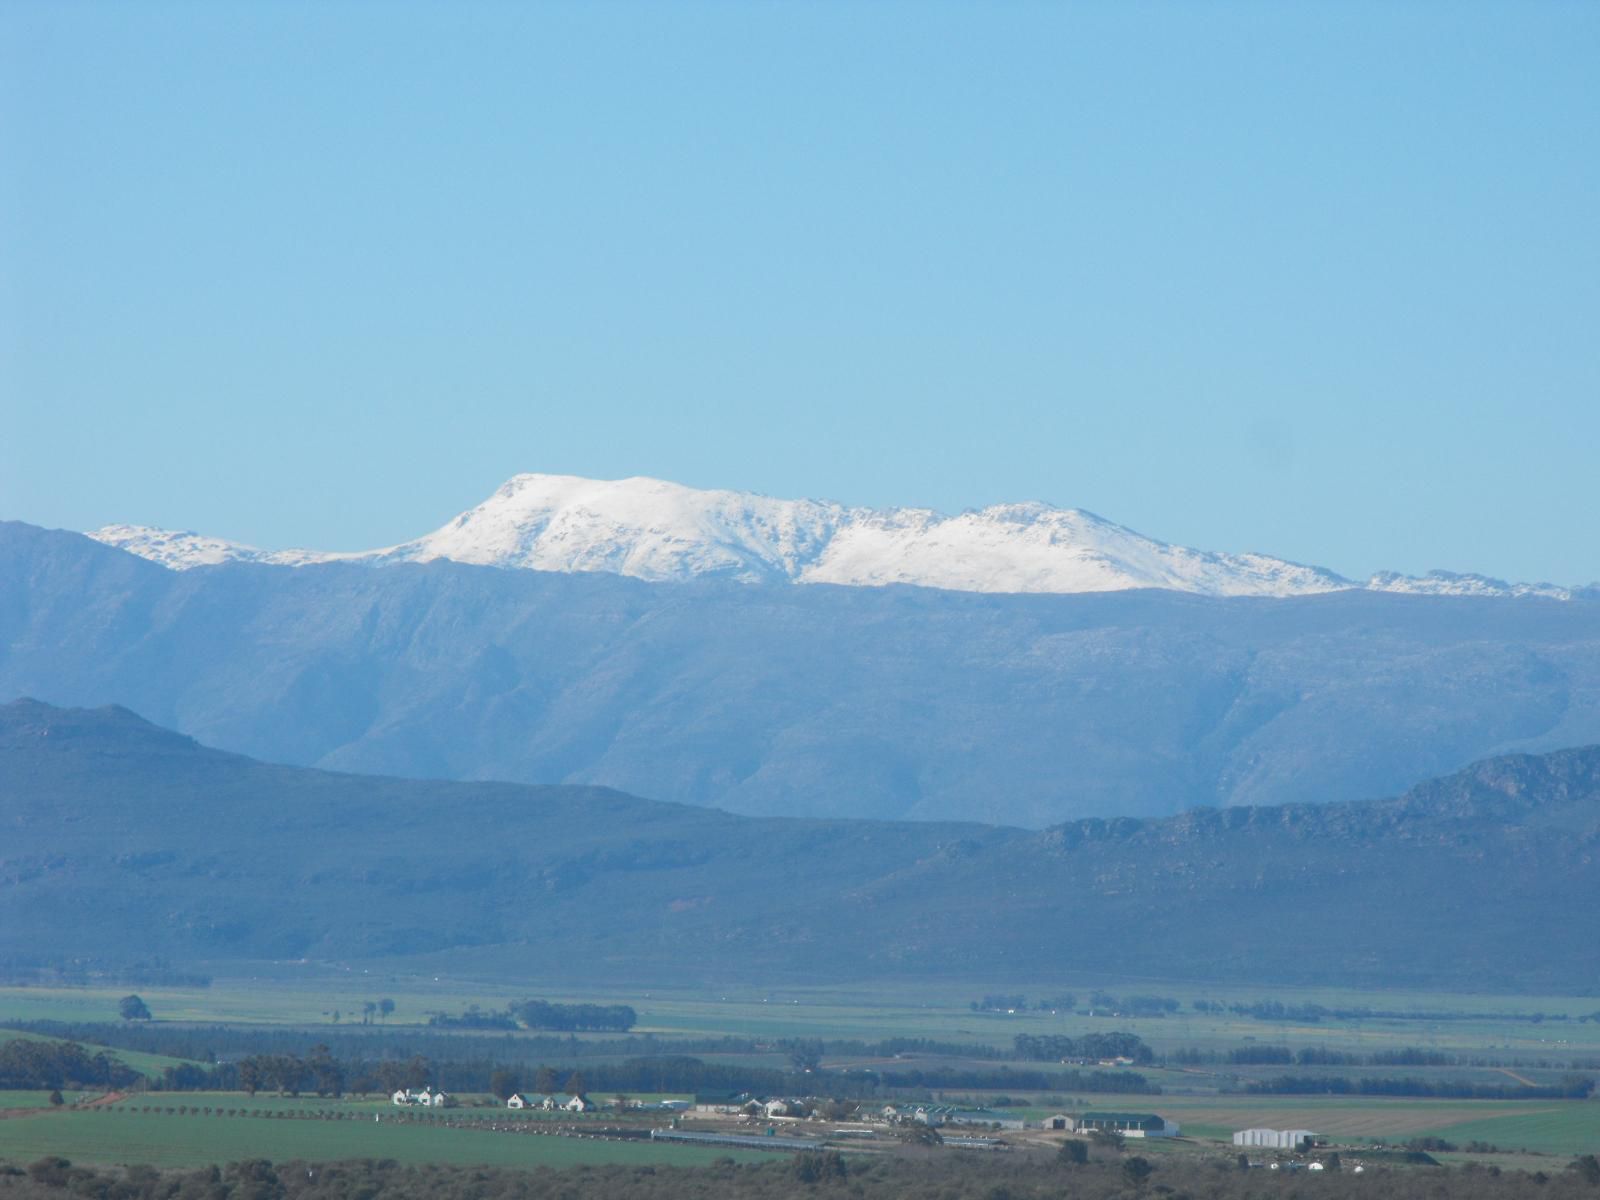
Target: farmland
{"points": [[1505, 1043], [890, 1009], [124, 1134]]}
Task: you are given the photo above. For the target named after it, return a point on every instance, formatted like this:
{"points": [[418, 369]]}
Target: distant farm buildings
{"points": [[1275, 1139], [560, 1101], [426, 1098], [1135, 1125]]}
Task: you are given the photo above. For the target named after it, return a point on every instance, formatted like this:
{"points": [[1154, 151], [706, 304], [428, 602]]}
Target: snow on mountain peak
{"points": [[656, 530], [647, 528]]}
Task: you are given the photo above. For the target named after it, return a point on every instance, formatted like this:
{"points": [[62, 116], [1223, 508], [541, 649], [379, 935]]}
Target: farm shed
{"points": [[1138, 1125], [1275, 1139]]}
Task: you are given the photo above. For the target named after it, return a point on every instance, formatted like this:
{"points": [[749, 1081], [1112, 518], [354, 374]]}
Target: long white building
{"points": [[1275, 1139]]}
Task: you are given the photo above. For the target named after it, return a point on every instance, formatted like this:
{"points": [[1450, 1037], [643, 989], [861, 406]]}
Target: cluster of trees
{"points": [[598, 1018], [1091, 1047], [542, 1014], [319, 1070], [546, 1081], [1276, 1010], [1000, 1002], [376, 1009], [1006, 1079], [29, 1064], [474, 1018], [1096, 1175], [209, 1043], [1573, 1087], [1134, 1006], [1405, 1056]]}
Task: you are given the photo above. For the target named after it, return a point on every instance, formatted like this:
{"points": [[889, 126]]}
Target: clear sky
{"points": [[1318, 280]]}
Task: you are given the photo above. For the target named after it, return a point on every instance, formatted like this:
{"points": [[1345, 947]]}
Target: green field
{"points": [[1207, 1101], [1571, 1128], [36, 1099], [866, 1012], [115, 1136]]}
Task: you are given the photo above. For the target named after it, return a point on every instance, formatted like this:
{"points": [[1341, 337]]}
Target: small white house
{"points": [[518, 1100], [426, 1098], [579, 1104]]}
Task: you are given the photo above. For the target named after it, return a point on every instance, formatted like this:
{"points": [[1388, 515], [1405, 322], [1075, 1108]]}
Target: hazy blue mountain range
{"points": [[123, 840], [820, 700]]}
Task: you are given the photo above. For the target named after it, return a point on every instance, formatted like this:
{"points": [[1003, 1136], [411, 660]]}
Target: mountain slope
{"points": [[125, 840], [887, 702], [650, 529]]}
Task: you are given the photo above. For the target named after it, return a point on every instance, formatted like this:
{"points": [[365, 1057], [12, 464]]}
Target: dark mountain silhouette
{"points": [[123, 840]]}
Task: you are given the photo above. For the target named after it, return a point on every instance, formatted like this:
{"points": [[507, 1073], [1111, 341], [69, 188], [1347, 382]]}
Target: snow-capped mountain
{"points": [[182, 549], [657, 530]]}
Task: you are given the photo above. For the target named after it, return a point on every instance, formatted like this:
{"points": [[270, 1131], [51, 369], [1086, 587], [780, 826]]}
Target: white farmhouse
{"points": [[426, 1098]]}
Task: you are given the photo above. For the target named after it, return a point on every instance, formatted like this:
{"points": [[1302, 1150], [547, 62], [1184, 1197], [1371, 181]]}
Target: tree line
{"points": [[1317, 1056], [1276, 1010], [320, 1071], [951, 1176], [1573, 1087], [208, 1043], [29, 1064], [1091, 1047], [1005, 1079]]}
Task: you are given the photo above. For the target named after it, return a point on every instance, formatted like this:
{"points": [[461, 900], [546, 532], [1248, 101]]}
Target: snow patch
{"points": [[656, 530]]}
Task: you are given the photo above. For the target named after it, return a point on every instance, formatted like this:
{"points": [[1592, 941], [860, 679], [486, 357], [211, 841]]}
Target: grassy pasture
{"points": [[37, 1099], [123, 1135], [1572, 1127], [868, 1012]]}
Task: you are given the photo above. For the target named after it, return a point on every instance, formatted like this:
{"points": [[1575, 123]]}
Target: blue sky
{"points": [[1319, 280]]}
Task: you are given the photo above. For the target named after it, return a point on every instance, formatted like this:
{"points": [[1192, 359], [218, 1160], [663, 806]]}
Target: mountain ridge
{"points": [[660, 531], [889, 702], [126, 839]]}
